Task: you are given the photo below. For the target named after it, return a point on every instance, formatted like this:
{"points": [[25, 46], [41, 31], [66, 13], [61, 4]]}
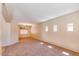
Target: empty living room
{"points": [[39, 29]]}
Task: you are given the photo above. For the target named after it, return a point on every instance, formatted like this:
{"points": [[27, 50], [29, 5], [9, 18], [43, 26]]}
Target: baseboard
{"points": [[59, 46]]}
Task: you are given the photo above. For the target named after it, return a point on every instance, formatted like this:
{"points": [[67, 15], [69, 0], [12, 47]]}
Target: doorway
{"points": [[24, 32]]}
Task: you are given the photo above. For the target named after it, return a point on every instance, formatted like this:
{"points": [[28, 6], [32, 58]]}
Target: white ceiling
{"points": [[38, 12]]}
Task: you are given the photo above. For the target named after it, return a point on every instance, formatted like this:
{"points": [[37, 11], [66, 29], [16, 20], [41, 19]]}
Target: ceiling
{"points": [[39, 12]]}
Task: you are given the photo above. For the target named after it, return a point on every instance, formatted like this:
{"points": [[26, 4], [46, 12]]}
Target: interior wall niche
{"points": [[24, 31]]}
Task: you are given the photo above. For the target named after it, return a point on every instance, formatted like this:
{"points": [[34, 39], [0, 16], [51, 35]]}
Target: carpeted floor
{"points": [[32, 47]]}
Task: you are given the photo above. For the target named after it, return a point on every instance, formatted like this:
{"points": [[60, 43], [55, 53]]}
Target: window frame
{"points": [[55, 28], [70, 27]]}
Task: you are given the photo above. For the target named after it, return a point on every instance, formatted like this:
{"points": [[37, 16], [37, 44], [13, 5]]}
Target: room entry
{"points": [[24, 31]]}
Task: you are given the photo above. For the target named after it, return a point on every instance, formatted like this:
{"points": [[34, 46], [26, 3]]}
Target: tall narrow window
{"points": [[55, 28], [46, 29], [70, 27]]}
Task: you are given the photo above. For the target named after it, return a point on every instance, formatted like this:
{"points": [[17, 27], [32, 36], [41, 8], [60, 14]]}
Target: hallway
{"points": [[55, 25], [32, 47]]}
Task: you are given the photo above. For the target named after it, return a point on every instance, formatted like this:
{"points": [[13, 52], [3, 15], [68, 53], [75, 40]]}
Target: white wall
{"points": [[6, 35], [14, 32], [9, 33]]}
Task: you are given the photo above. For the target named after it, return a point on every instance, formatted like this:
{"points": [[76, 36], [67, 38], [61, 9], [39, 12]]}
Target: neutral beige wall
{"points": [[34, 29], [0, 23], [0, 32], [63, 38]]}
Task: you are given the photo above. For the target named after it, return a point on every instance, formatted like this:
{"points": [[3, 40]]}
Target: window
{"points": [[23, 32], [46, 29], [55, 28], [70, 27]]}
